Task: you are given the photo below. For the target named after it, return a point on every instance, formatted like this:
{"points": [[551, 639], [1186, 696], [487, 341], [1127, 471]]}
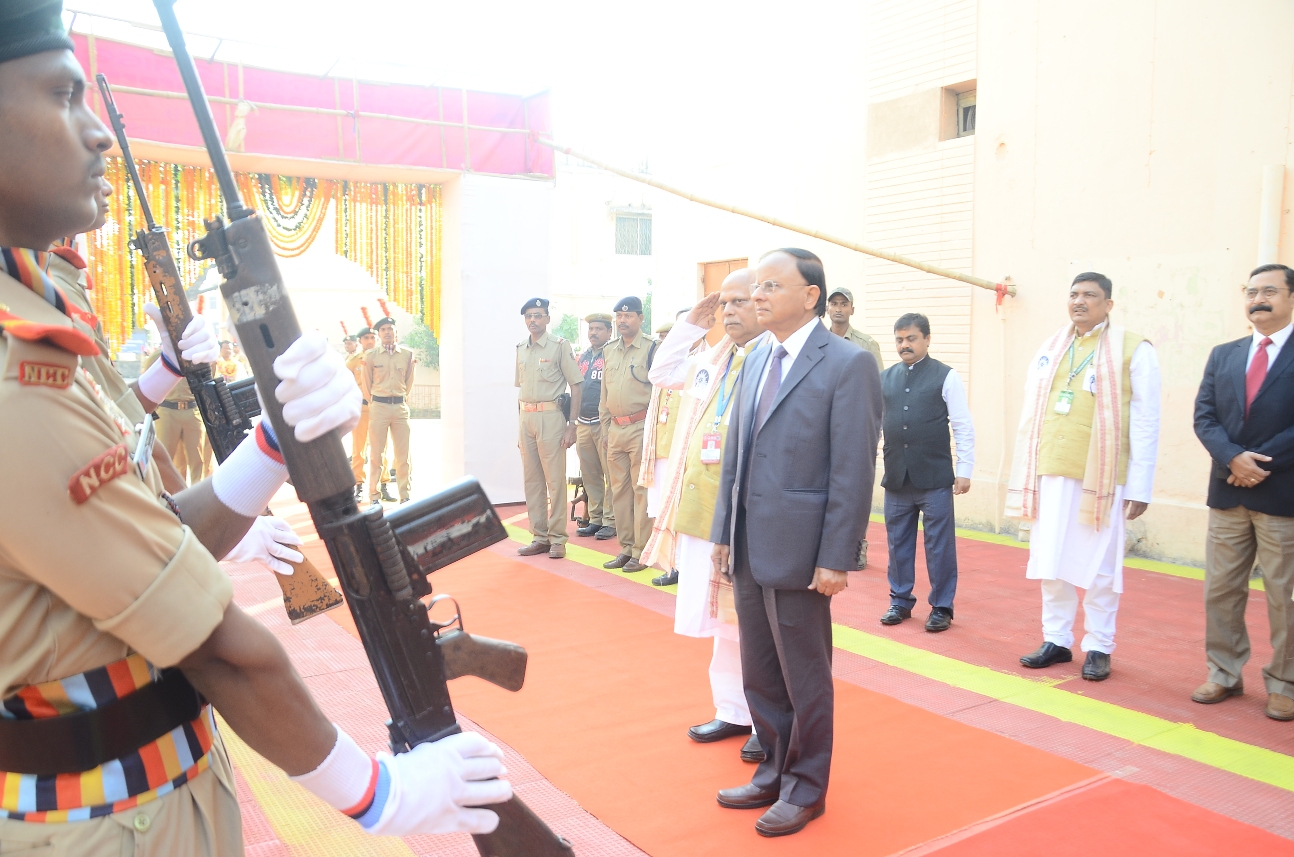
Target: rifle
{"points": [[227, 409], [382, 562]]}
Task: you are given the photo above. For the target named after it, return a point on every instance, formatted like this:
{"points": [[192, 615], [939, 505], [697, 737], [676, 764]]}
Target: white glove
{"points": [[267, 541], [198, 345], [436, 787], [318, 392]]}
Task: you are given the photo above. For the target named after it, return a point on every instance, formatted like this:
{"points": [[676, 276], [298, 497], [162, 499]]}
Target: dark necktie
{"points": [[771, 385], [1257, 373]]}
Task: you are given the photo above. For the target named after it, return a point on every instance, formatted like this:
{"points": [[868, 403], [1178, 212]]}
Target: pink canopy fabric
{"points": [[358, 139]]}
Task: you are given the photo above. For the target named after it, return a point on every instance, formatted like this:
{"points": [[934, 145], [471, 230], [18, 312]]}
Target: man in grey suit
{"points": [[797, 473]]}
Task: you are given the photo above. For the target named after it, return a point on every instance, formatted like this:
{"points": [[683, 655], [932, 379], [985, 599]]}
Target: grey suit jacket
{"points": [[810, 492]]}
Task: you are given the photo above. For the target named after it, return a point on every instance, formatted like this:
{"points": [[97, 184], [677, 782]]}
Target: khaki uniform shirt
{"points": [[355, 363], [388, 374], [866, 343], [544, 368], [625, 388], [73, 283], [83, 584]]}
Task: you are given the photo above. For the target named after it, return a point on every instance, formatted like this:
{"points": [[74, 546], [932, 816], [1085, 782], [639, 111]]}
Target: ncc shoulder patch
{"points": [[33, 373], [99, 472]]}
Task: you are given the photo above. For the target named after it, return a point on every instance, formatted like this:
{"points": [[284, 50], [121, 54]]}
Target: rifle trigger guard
{"points": [[456, 619]]}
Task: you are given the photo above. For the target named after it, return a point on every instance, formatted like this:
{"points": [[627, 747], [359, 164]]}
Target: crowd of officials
{"points": [[720, 515]]}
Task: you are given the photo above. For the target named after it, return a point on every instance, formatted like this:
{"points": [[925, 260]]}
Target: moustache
{"points": [[905, 351], [1260, 308]]}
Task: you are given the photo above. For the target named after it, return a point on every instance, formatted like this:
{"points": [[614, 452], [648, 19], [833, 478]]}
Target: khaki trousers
{"points": [[359, 450], [178, 430], [593, 468], [624, 458], [199, 819], [384, 419], [543, 465], [1236, 536]]}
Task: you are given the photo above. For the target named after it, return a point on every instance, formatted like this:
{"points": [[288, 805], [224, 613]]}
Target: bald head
{"points": [[736, 309], [740, 277]]}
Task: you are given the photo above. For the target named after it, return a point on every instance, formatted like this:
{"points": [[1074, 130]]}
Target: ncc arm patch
{"points": [[99, 472]]}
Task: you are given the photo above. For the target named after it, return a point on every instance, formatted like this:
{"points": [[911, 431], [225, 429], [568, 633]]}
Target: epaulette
{"points": [[66, 338]]}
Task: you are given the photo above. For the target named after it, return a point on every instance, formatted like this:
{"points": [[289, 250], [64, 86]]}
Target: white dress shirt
{"points": [[1279, 338], [959, 417]]}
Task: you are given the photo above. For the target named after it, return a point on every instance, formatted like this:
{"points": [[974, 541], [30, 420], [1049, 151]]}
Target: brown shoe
{"points": [[783, 819], [557, 552], [1211, 692], [1279, 707], [748, 796], [618, 562], [534, 548], [633, 565]]}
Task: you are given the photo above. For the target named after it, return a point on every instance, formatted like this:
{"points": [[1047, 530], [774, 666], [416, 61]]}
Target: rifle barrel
{"points": [[119, 128]]}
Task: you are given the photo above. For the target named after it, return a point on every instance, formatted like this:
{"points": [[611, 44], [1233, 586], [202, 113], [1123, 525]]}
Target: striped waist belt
{"points": [[530, 407], [100, 742], [179, 406], [389, 400], [631, 419]]}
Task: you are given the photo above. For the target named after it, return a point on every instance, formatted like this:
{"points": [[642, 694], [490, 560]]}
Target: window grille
{"points": [[966, 114], [633, 234]]}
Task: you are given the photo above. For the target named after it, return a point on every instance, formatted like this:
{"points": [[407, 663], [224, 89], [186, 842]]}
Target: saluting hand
{"points": [[702, 314]]}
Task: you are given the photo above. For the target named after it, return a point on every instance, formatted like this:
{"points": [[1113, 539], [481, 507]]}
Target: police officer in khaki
{"points": [[626, 393], [387, 379], [589, 440], [357, 346], [93, 625], [179, 426], [545, 366]]}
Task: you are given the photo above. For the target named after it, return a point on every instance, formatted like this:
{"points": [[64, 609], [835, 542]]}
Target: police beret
{"points": [[629, 304], [363, 331], [352, 338], [382, 321], [604, 317], [31, 27], [535, 303]]}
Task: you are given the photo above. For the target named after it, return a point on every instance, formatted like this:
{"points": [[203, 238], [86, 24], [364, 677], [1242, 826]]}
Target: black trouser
{"points": [[786, 665]]}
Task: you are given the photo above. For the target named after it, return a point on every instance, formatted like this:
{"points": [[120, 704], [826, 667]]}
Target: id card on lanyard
{"points": [[712, 441]]}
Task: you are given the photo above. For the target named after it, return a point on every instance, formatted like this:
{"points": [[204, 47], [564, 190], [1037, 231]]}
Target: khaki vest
{"points": [[1066, 438], [700, 489]]}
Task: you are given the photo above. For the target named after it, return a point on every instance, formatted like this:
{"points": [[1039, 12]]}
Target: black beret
{"points": [[629, 304], [535, 303], [352, 338], [382, 321], [363, 331], [31, 27]]}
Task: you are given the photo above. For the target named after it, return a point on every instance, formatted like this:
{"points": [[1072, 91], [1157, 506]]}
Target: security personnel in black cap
{"points": [[626, 393], [545, 366], [386, 381]]}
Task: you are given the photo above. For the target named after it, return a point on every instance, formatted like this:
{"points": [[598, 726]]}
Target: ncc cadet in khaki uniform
{"points": [[106, 583], [357, 346], [590, 442], [179, 427], [840, 308], [626, 393], [545, 366], [386, 381]]}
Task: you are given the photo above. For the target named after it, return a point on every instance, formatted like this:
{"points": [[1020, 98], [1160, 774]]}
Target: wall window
{"points": [[966, 114], [633, 234]]}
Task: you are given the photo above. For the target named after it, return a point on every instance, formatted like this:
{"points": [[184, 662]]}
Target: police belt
{"points": [[631, 419], [531, 407], [84, 740], [389, 400], [179, 406]]}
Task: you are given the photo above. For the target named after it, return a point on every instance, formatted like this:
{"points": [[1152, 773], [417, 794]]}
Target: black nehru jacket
{"points": [[918, 444]]}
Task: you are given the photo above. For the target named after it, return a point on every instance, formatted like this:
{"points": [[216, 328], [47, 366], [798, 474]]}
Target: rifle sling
{"points": [[81, 741]]}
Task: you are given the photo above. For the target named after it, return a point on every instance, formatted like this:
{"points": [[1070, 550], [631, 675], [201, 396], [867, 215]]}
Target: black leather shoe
{"points": [[941, 619], [605, 533], [1047, 654], [666, 579], [1096, 666], [746, 797], [634, 565], [783, 819], [751, 751], [716, 730], [895, 615], [618, 562], [589, 530]]}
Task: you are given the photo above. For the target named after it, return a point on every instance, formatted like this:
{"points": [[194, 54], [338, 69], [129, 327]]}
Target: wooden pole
{"points": [[1000, 288]]}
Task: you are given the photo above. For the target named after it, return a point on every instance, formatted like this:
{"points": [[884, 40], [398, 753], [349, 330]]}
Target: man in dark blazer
{"points": [[789, 523], [1244, 416]]}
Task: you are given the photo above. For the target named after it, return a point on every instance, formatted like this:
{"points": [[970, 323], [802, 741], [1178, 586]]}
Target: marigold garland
{"points": [[391, 230]]}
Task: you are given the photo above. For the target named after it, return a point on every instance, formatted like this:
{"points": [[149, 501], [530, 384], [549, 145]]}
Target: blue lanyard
{"points": [[725, 396]]}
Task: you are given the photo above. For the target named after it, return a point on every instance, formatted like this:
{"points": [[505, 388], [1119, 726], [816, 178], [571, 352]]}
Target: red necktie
{"points": [[1257, 374]]}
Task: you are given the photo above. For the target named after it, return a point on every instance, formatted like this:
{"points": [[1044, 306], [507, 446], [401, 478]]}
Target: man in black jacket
{"points": [[1244, 416]]}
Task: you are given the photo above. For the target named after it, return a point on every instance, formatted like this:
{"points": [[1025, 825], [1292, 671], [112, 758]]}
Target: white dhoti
{"points": [[656, 490], [692, 619], [1065, 553]]}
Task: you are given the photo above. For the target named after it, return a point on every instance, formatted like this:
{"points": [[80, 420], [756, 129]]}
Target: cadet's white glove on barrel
{"points": [[434, 788], [267, 541], [198, 345], [318, 394]]}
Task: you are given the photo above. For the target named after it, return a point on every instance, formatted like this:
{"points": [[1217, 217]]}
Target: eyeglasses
{"points": [[768, 287], [1266, 292]]}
